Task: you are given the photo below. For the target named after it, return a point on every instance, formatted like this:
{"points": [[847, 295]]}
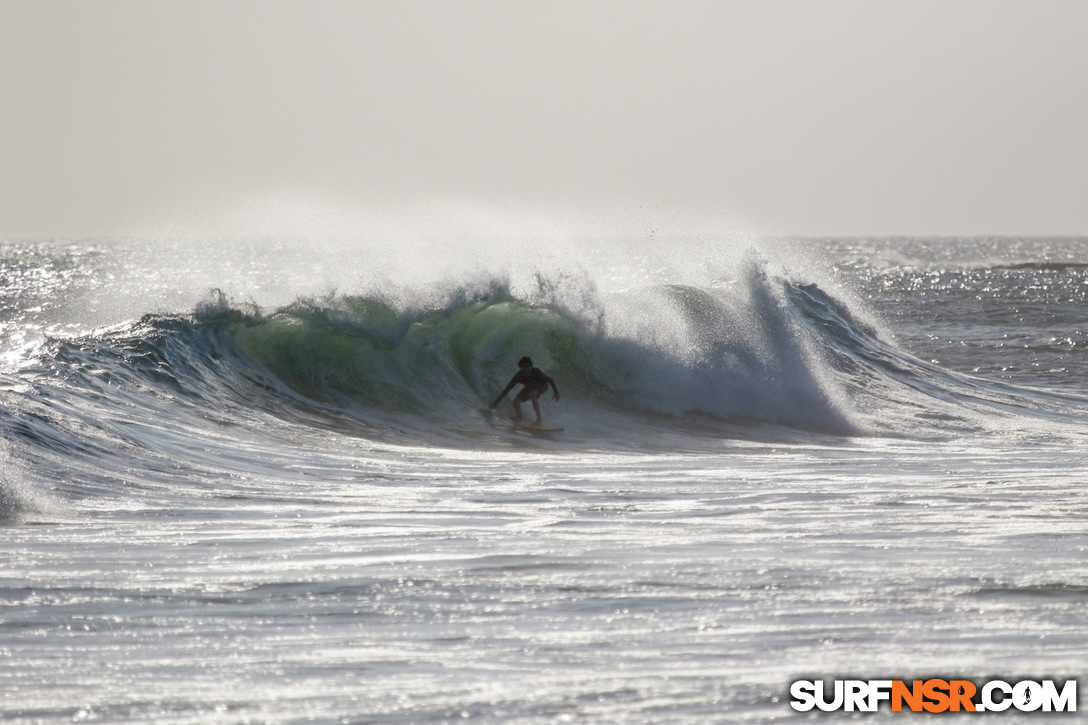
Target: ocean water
{"points": [[255, 481]]}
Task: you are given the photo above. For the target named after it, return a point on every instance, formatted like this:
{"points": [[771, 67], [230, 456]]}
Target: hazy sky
{"points": [[797, 116]]}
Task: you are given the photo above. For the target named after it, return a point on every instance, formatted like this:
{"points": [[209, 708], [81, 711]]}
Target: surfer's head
{"points": [[525, 362]]}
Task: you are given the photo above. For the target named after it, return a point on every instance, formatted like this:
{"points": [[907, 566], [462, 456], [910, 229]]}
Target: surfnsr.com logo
{"points": [[934, 695]]}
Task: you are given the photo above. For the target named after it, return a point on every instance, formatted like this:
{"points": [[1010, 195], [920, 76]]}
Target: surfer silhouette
{"points": [[536, 383]]}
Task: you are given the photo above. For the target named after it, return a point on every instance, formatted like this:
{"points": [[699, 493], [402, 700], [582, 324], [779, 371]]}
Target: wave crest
{"points": [[735, 353]]}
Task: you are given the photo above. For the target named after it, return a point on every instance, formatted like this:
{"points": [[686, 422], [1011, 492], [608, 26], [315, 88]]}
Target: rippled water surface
{"points": [[296, 512]]}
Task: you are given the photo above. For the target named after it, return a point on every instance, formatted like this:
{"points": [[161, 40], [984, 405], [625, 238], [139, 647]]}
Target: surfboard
{"points": [[495, 419], [534, 428]]}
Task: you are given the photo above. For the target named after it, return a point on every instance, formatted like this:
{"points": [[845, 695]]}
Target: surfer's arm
{"points": [[554, 388], [507, 389]]}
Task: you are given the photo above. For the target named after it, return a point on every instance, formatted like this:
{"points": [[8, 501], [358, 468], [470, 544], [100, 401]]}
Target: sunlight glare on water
{"points": [[197, 534]]}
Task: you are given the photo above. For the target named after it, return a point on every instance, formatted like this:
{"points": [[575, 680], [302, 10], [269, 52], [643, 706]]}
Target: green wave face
{"points": [[364, 350], [745, 353]]}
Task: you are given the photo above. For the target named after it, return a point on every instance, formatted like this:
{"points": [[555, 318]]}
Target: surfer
{"points": [[536, 383]]}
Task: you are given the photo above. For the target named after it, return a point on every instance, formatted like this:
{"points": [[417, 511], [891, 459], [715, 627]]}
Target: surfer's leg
{"points": [[518, 400], [536, 407]]}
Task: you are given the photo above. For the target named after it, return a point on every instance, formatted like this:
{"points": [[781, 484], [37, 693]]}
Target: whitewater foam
{"points": [[20, 493]]}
